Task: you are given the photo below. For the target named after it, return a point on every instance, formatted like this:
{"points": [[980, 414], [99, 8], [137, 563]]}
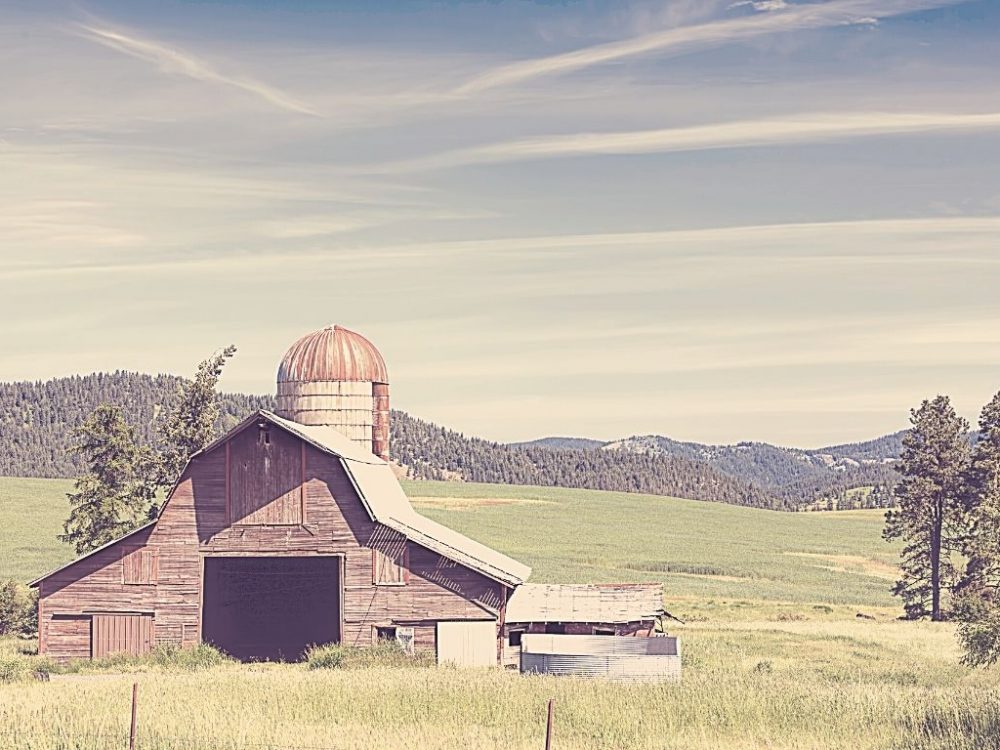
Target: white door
{"points": [[467, 644]]}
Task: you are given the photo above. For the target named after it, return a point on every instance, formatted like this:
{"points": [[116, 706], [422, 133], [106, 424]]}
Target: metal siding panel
{"points": [[610, 657]]}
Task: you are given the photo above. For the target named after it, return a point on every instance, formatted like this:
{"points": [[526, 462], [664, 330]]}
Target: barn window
{"points": [[389, 566], [403, 637], [140, 566], [514, 637], [385, 633]]}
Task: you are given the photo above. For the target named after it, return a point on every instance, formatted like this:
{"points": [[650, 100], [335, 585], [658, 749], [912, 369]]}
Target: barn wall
{"points": [[195, 523], [95, 584]]}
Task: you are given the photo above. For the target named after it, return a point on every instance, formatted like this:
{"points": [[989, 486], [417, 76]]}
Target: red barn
{"points": [[283, 534]]}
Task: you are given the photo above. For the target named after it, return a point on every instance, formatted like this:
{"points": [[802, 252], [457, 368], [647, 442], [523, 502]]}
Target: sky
{"points": [[718, 221]]}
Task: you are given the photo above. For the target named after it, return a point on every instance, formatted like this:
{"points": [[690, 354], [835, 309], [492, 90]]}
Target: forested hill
{"points": [[37, 420], [432, 452]]}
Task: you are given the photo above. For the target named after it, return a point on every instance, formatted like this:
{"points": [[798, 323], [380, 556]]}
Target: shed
{"points": [[596, 609]]}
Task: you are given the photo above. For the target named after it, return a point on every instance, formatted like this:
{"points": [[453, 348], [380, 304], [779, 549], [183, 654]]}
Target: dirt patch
{"points": [[463, 503], [856, 564]]}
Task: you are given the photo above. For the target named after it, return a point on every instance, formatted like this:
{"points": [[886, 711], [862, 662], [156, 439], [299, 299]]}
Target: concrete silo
{"points": [[337, 378]]}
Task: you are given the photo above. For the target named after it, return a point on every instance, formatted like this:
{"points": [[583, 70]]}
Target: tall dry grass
{"points": [[759, 684]]}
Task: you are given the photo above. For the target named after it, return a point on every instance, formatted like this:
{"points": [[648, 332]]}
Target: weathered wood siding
{"points": [[122, 634], [271, 481]]}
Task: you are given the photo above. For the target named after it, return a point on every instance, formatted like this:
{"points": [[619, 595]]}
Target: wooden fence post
{"points": [[548, 726], [135, 700]]}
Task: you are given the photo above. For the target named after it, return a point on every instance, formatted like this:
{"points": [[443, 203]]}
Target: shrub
{"points": [[165, 657], [18, 609], [763, 667], [382, 654], [11, 669]]}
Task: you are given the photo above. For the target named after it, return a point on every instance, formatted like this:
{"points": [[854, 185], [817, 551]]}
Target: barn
{"points": [[290, 530]]}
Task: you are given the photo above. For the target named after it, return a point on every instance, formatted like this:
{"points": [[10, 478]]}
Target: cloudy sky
{"points": [[719, 221]]}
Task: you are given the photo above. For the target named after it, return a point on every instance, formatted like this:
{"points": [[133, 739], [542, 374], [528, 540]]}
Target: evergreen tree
{"points": [[929, 514], [977, 607], [192, 424], [116, 493]]}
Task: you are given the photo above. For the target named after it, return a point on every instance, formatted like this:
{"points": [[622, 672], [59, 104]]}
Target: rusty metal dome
{"points": [[332, 353]]}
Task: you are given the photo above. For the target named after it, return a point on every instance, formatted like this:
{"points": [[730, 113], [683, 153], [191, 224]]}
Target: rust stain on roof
{"points": [[333, 353]]}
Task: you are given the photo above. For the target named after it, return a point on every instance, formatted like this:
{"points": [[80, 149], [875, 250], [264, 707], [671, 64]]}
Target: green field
{"points": [[700, 551], [774, 655]]}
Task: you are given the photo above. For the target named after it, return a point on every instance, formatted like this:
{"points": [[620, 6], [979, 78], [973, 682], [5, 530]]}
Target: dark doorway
{"points": [[271, 608]]}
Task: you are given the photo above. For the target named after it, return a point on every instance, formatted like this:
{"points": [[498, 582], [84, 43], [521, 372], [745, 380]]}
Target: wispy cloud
{"points": [[901, 241], [686, 38], [802, 128], [178, 62]]}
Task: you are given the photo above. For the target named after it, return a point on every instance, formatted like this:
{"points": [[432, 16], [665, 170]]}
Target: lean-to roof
{"points": [[598, 602]]}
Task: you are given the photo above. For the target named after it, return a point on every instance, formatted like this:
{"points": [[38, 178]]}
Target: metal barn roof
{"points": [[386, 503], [598, 602]]}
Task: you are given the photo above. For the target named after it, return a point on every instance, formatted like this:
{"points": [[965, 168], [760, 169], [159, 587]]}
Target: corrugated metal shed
{"points": [[333, 353], [606, 603]]}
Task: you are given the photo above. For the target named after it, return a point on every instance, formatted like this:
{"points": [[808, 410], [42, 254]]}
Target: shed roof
{"points": [[596, 602]]}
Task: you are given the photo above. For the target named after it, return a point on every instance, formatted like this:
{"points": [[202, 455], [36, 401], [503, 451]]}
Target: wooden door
{"points": [[122, 634], [467, 644]]}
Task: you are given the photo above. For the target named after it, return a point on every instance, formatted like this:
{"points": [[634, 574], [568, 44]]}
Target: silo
{"points": [[336, 377]]}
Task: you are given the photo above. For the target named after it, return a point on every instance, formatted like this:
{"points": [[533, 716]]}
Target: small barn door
{"points": [[467, 644], [122, 634]]}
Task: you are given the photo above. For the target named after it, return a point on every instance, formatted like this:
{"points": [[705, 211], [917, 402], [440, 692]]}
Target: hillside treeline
{"points": [[432, 452], [37, 420]]}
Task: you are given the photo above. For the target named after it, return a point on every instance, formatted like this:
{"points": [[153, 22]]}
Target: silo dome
{"points": [[337, 378]]}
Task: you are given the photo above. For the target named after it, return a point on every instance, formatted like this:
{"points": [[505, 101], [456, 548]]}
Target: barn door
{"points": [[122, 634], [467, 644]]}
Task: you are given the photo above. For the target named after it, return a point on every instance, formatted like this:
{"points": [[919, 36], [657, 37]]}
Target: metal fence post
{"points": [[135, 700], [548, 725]]}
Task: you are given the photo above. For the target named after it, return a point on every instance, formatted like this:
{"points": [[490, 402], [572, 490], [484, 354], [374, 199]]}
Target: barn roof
{"points": [[383, 498], [385, 501], [597, 602]]}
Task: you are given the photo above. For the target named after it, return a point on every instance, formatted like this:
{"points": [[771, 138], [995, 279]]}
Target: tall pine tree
{"points": [[930, 511], [978, 607], [116, 493], [191, 426]]}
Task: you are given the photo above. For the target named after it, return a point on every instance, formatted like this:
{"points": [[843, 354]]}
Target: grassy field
{"points": [[32, 512], [774, 655], [701, 551]]}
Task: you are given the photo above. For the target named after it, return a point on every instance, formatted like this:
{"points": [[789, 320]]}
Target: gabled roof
{"points": [[383, 498], [597, 602], [386, 503]]}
